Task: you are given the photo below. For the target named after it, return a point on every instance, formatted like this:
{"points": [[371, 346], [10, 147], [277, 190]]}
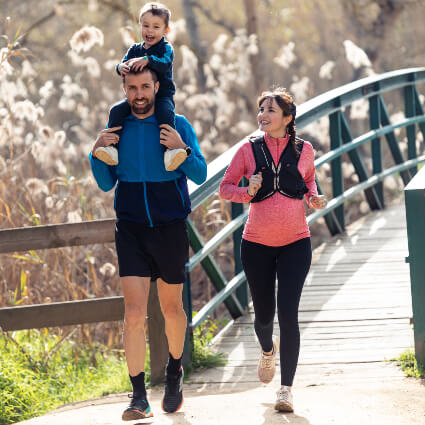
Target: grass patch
{"points": [[409, 365], [40, 371], [204, 356]]}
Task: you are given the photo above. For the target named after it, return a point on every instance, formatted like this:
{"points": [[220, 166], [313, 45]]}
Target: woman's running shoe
{"points": [[267, 363], [284, 400]]}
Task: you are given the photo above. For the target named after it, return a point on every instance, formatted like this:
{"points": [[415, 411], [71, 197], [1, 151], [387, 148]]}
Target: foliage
{"points": [[408, 363], [40, 371], [204, 356]]}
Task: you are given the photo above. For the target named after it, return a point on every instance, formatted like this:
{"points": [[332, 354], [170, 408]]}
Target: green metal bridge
{"points": [[403, 85]]}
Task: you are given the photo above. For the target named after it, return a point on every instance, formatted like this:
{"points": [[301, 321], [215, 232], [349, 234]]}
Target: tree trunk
{"points": [[195, 41], [373, 28], [255, 60]]}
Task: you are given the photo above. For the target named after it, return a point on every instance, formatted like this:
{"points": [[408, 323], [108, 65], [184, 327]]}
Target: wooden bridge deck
{"points": [[355, 313], [355, 309]]}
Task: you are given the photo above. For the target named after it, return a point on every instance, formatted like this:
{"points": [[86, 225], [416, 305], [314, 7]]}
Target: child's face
{"points": [[153, 29]]}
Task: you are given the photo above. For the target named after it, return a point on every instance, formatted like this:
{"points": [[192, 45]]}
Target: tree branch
{"points": [[216, 21], [41, 21]]}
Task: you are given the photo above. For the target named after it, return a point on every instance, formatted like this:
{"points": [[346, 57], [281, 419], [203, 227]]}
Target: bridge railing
{"points": [[234, 293], [415, 217]]}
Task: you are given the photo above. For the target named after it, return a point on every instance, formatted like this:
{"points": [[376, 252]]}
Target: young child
{"points": [[158, 54]]}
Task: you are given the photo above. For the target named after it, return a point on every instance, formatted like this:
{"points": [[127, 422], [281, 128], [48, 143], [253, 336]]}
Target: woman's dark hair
{"points": [[286, 103], [157, 9]]}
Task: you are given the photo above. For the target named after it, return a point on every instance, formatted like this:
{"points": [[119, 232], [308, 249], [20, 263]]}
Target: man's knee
{"points": [[172, 310], [134, 316]]}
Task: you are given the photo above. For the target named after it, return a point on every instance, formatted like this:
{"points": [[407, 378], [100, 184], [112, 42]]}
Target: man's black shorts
{"points": [[155, 252]]}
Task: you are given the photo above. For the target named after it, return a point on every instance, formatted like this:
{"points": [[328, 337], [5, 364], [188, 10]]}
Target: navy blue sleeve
{"points": [[162, 63], [132, 52], [194, 167]]}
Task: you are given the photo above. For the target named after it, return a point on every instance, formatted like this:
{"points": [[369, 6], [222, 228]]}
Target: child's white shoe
{"points": [[173, 158], [107, 154]]}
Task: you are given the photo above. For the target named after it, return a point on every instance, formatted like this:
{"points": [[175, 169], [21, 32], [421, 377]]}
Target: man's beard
{"points": [[142, 110]]}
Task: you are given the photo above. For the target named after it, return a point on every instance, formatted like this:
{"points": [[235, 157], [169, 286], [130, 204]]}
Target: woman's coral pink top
{"points": [[277, 220]]}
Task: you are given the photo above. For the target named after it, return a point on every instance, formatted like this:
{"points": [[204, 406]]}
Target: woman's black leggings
{"points": [[290, 263]]}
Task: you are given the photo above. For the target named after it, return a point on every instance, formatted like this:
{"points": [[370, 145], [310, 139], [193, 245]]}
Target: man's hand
{"points": [[318, 202], [255, 183], [170, 137], [137, 64], [105, 138]]}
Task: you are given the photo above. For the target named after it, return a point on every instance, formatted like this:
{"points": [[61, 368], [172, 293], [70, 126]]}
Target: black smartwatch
{"points": [[188, 150]]}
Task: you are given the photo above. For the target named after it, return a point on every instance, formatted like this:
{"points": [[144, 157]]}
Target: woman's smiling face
{"points": [[271, 119]]}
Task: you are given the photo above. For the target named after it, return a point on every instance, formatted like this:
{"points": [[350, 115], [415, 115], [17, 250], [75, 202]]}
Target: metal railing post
{"points": [[242, 291], [415, 218], [335, 133], [187, 305], [410, 111], [375, 123]]}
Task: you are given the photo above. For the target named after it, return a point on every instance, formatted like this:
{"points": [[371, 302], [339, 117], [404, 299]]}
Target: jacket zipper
{"points": [[146, 205]]}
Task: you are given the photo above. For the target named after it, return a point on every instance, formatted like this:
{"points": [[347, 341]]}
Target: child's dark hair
{"points": [[286, 102], [157, 9]]}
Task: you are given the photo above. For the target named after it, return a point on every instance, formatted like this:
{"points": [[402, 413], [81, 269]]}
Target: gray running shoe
{"points": [[284, 400]]}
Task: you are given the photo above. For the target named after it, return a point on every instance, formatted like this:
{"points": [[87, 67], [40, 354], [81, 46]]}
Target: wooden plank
{"points": [[338, 323], [245, 332], [62, 314], [324, 336], [57, 235]]}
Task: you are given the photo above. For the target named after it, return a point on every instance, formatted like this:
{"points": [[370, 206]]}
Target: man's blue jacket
{"points": [[146, 192]]}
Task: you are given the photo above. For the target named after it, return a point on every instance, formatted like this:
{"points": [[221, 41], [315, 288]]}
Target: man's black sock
{"points": [[138, 383], [173, 365]]}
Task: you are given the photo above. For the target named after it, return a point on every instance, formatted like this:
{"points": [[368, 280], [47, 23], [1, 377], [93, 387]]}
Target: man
{"points": [[151, 238]]}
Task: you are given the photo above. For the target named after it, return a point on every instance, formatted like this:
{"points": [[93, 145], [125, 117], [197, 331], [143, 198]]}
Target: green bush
{"points": [[204, 356], [38, 372], [409, 365]]}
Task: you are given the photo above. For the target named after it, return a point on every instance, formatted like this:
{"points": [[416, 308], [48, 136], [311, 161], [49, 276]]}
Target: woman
{"points": [[276, 238]]}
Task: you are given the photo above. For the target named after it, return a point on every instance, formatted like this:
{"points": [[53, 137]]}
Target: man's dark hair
{"points": [[145, 69]]}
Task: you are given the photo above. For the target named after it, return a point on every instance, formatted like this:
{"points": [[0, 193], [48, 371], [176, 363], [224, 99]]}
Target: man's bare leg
{"points": [[136, 294], [170, 299]]}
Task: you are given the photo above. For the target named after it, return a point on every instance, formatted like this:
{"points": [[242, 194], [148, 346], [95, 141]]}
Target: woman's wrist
{"points": [[247, 191]]}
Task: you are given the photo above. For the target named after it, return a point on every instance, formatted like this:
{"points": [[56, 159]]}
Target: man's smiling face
{"points": [[140, 90]]}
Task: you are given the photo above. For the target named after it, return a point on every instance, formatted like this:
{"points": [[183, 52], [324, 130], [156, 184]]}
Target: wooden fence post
{"points": [[158, 344]]}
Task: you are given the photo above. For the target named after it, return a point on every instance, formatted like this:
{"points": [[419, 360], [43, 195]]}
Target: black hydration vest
{"points": [[283, 178]]}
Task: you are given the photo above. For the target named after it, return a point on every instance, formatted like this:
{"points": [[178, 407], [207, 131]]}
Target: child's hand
{"points": [[123, 68], [138, 64]]}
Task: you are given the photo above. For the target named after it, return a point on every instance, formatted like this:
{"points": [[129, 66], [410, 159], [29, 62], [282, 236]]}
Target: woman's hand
{"points": [[255, 183], [318, 202]]}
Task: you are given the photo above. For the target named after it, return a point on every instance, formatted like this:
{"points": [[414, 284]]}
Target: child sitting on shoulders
{"points": [[158, 54]]}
